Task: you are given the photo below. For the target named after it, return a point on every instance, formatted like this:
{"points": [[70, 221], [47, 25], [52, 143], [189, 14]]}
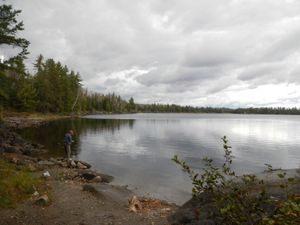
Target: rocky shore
{"points": [[72, 192]]}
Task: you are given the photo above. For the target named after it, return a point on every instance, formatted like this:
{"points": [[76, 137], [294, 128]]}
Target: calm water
{"points": [[137, 148]]}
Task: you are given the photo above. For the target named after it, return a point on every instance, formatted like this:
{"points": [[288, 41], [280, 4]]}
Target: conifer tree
{"points": [[9, 28]]}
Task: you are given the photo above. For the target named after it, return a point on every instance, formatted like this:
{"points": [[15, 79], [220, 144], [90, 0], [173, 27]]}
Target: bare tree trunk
{"points": [[75, 102]]}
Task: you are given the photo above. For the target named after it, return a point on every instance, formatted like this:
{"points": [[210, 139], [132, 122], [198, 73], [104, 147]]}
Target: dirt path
{"points": [[72, 206]]}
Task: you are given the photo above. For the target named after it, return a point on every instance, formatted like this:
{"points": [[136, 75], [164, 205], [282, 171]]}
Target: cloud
{"points": [[185, 52]]}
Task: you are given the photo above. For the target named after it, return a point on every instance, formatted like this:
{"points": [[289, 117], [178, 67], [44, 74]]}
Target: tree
{"points": [[9, 28], [131, 105], [21, 94]]}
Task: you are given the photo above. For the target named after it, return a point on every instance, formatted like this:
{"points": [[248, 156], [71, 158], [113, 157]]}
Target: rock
{"points": [[134, 204], [112, 194], [42, 201], [195, 212], [72, 164], [88, 166], [96, 179], [46, 163], [80, 166], [53, 160], [90, 175], [63, 164], [12, 142], [46, 174], [11, 149]]}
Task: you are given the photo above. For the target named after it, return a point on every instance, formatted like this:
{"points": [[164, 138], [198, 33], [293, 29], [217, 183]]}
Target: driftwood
{"points": [[134, 204]]}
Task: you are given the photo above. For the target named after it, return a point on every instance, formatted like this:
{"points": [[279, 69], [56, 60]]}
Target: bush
{"points": [[241, 200]]}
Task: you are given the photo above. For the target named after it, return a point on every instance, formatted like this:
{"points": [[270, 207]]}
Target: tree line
{"points": [[165, 108], [53, 87]]}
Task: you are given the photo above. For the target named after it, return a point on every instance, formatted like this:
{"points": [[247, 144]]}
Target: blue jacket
{"points": [[68, 139]]}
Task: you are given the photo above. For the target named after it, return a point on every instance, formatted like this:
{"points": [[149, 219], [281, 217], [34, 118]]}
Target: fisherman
{"points": [[68, 141]]}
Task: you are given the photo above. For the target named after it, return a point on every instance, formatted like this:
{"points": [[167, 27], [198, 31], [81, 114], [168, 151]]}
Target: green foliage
{"points": [[241, 200], [164, 108], [9, 28], [55, 86], [15, 185], [287, 213]]}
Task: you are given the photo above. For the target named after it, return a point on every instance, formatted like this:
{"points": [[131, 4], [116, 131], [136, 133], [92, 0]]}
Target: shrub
{"points": [[241, 200]]}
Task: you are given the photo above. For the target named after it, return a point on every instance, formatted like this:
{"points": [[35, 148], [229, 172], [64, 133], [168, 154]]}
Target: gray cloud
{"points": [[184, 52]]}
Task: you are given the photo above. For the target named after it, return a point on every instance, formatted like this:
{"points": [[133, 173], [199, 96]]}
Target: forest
{"points": [[54, 88]]}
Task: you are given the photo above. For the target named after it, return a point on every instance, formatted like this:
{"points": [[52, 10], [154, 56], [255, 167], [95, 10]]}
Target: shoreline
{"points": [[91, 187]]}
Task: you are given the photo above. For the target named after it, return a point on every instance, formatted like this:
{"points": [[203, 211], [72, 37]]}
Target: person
{"points": [[68, 141]]}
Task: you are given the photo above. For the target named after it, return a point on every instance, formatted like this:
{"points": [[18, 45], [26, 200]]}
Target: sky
{"points": [[233, 53]]}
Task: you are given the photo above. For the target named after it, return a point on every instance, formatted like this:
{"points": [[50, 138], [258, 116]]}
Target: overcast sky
{"points": [[234, 53]]}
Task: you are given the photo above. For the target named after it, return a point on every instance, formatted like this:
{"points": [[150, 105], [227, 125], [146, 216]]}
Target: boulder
{"points": [[88, 166], [109, 193], [11, 142], [79, 165], [96, 179], [54, 160], [89, 175], [10, 148], [72, 164]]}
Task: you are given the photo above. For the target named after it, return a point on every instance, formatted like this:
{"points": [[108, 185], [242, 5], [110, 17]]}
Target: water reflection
{"points": [[52, 134], [137, 148]]}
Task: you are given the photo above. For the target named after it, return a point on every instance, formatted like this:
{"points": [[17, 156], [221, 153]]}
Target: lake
{"points": [[137, 148]]}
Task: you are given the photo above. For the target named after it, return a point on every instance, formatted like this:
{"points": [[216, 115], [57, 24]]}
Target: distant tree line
{"points": [[53, 87], [165, 108]]}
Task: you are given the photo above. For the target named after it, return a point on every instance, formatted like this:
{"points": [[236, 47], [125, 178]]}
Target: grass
{"points": [[15, 184]]}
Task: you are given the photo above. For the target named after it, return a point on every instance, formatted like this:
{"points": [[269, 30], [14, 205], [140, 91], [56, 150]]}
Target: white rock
{"points": [[46, 174]]}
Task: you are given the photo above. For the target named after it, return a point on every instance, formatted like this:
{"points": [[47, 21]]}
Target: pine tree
{"points": [[9, 28]]}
